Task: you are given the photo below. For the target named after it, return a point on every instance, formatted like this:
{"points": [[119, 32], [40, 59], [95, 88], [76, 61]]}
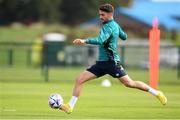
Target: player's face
{"points": [[104, 16]]}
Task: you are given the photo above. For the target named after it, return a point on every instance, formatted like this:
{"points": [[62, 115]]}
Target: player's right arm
{"points": [[122, 34]]}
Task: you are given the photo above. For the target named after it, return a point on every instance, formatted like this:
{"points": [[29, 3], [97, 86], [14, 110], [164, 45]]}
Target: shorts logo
{"points": [[122, 68], [117, 74]]}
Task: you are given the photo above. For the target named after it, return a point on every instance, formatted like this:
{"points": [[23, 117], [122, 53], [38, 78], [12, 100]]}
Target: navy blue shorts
{"points": [[107, 67]]}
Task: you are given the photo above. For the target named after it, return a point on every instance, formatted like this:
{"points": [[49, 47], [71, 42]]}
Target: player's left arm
{"points": [[104, 34], [79, 41]]}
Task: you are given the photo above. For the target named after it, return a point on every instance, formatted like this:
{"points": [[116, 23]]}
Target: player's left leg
{"points": [[128, 82], [82, 78]]}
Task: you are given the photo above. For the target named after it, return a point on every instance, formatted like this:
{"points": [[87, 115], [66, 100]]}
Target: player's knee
{"points": [[80, 80], [129, 84]]}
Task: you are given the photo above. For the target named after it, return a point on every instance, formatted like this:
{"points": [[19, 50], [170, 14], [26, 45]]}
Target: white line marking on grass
{"points": [[9, 110], [89, 119]]}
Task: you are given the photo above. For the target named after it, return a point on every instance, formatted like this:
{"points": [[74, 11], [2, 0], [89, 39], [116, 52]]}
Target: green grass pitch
{"points": [[24, 95]]}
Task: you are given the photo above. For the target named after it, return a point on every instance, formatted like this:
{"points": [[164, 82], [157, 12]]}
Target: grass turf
{"points": [[24, 95]]}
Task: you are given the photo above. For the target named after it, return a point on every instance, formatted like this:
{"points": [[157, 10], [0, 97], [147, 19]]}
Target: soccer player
{"points": [[108, 61]]}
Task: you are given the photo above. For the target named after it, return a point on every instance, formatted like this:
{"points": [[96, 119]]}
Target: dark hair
{"points": [[106, 8]]}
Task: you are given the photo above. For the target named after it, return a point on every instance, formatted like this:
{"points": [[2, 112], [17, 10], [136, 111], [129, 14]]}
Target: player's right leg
{"points": [[128, 82], [161, 97], [83, 77]]}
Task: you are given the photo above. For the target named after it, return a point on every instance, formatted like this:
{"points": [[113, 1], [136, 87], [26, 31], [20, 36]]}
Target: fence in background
{"points": [[132, 56], [15, 54]]}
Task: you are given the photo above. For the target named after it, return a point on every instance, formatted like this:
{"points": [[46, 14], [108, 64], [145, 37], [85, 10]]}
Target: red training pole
{"points": [[154, 40]]}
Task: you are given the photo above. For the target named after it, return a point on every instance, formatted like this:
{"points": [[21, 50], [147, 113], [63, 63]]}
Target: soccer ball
{"points": [[55, 100]]}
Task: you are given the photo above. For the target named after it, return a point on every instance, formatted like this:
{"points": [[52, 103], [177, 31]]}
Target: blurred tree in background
{"points": [[77, 11], [70, 12], [48, 10], [17, 10]]}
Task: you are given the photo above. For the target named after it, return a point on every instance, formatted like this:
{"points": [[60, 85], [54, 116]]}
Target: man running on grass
{"points": [[108, 61]]}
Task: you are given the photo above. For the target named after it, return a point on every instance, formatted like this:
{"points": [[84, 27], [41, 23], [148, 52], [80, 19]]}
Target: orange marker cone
{"points": [[154, 41]]}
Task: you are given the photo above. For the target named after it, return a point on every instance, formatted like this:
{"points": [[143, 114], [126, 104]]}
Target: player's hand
{"points": [[79, 41]]}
